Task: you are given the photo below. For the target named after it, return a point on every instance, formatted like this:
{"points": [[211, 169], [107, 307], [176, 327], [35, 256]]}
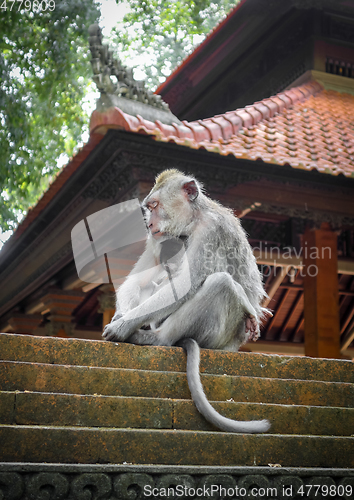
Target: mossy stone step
{"points": [[143, 446], [78, 352], [35, 408], [42, 377], [75, 401]]}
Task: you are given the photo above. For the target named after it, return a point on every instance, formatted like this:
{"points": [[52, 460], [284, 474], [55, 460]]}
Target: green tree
{"points": [[44, 75], [159, 34]]}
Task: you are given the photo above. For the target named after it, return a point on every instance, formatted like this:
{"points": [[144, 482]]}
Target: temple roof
{"points": [[306, 127]]}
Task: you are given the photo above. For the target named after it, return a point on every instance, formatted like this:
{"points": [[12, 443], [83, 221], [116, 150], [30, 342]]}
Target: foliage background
{"points": [[44, 72], [159, 34]]}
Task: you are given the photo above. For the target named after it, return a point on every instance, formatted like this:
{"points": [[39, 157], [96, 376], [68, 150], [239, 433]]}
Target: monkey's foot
{"points": [[252, 328], [143, 337]]}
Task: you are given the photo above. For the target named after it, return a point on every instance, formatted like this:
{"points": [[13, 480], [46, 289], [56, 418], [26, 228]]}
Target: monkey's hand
{"points": [[119, 330], [252, 327]]}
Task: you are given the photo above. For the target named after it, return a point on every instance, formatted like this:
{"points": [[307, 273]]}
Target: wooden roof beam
{"points": [[348, 339], [279, 273]]}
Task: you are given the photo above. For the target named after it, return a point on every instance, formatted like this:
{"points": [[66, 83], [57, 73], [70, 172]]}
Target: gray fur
{"points": [[226, 288]]}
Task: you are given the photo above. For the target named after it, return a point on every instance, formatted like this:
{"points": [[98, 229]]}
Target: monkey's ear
{"points": [[191, 190]]}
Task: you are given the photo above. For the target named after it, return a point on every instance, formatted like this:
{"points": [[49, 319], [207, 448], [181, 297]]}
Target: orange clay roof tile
{"points": [[274, 106], [263, 109], [227, 129], [256, 115], [234, 119], [246, 117], [214, 128], [200, 133]]}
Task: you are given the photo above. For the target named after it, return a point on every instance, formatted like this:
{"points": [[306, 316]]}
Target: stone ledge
{"points": [[97, 353], [95, 445], [50, 409]]}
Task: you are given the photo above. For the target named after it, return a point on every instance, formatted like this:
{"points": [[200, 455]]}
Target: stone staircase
{"points": [[95, 420], [70, 401]]}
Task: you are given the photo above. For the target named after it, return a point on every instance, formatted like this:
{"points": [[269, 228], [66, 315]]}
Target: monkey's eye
{"points": [[152, 205]]}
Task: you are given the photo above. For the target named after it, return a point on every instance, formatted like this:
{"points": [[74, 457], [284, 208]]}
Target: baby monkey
{"points": [[197, 284]]}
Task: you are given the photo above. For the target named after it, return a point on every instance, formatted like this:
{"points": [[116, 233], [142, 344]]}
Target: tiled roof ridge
{"points": [[217, 128], [241, 132], [223, 127]]}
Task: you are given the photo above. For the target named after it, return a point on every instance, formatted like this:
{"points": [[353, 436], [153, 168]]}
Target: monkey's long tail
{"points": [[200, 399]]}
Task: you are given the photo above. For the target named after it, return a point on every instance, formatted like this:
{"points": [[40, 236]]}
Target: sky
{"points": [[110, 14]]}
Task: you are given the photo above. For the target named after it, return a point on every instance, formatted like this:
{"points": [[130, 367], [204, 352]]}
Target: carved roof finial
{"points": [[117, 85]]}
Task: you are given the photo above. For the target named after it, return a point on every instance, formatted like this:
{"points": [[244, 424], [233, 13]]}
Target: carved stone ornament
{"points": [[73, 482], [118, 87]]}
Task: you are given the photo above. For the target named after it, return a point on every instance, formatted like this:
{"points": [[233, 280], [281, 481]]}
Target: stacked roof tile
{"points": [[306, 127]]}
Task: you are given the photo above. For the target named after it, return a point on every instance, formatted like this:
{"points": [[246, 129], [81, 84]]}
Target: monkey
{"points": [[196, 284]]}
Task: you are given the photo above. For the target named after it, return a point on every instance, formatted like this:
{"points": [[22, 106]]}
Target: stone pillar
{"points": [[61, 304], [321, 302], [107, 301]]}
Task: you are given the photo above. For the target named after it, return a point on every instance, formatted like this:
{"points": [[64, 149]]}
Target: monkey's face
{"points": [[170, 210], [154, 216]]}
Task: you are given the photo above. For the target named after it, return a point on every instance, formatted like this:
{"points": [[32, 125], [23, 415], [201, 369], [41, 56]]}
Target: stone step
{"points": [[112, 355], [75, 401], [35, 408], [40, 377], [145, 446]]}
